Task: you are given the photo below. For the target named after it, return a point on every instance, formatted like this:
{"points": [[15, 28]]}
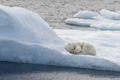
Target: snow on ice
{"points": [[86, 14], [25, 37], [110, 15]]}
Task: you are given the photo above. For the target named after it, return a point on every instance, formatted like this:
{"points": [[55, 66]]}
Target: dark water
{"points": [[20, 71]]}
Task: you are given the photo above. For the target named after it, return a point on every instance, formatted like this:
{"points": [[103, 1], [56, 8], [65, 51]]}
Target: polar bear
{"points": [[80, 48]]}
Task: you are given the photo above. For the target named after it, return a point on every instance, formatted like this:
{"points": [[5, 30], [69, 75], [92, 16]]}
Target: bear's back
{"points": [[89, 49]]}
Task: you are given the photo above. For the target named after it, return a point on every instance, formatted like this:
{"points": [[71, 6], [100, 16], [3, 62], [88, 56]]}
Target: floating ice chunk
{"points": [[26, 37], [78, 22], [86, 14], [98, 23], [118, 12], [110, 15], [106, 26], [15, 51], [81, 22]]}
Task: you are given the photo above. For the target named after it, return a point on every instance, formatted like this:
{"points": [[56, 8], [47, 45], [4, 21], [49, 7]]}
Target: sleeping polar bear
{"points": [[80, 48]]}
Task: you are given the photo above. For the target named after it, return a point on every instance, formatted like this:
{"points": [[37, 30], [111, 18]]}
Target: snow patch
{"points": [[25, 26], [86, 14], [106, 44]]}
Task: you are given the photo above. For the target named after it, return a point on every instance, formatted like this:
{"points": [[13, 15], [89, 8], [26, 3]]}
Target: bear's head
{"points": [[71, 48]]}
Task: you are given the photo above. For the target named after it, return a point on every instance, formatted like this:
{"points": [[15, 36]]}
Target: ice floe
{"points": [[86, 14], [107, 20], [25, 37]]}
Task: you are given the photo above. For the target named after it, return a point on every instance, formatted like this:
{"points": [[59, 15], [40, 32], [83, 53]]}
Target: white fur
{"points": [[80, 48]]}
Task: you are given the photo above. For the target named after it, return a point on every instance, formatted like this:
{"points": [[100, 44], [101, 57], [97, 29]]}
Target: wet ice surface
{"points": [[20, 71], [105, 42]]}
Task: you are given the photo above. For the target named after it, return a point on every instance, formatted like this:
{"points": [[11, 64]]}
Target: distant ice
{"points": [[110, 15], [78, 22], [86, 14], [108, 21], [118, 12], [25, 37], [107, 26]]}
